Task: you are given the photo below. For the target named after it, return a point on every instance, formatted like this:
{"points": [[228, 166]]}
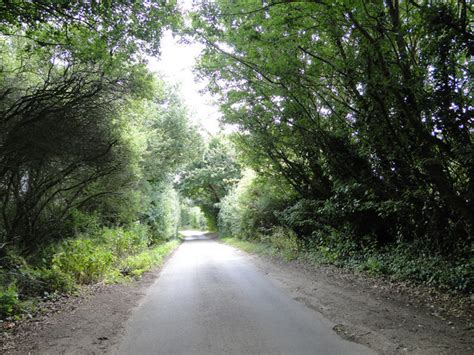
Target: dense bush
{"points": [[109, 255], [32, 281], [38, 281], [136, 265], [122, 242], [163, 213], [232, 207], [285, 241], [9, 302], [252, 207], [84, 260], [405, 262], [91, 258], [259, 212]]}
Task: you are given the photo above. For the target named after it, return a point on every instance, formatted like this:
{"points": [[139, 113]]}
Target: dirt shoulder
{"points": [[390, 318], [88, 323]]}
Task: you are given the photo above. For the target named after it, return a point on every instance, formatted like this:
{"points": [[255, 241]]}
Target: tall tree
{"points": [[363, 106], [68, 71]]}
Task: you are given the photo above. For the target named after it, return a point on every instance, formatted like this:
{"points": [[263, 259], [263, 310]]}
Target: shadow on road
{"points": [[193, 235]]}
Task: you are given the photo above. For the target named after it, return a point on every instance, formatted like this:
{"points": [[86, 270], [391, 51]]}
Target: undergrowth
{"points": [[109, 255], [136, 265], [401, 262]]}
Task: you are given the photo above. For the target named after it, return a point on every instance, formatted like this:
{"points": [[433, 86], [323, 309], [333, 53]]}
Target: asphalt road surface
{"points": [[210, 299]]}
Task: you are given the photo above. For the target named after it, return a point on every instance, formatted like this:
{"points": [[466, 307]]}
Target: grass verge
{"points": [[252, 247], [136, 265]]}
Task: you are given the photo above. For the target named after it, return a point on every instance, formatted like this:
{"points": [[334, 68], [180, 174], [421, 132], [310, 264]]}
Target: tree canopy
{"points": [[209, 179], [84, 125], [364, 107]]}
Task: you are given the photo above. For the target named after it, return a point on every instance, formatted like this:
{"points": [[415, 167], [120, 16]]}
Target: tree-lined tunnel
{"points": [[321, 133]]}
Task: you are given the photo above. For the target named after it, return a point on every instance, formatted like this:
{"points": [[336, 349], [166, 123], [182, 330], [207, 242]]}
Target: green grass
{"points": [[136, 265], [252, 247]]}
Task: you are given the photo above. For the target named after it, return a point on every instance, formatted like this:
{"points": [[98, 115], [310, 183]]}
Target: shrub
{"points": [[91, 259], [230, 215], [80, 222], [125, 242], [9, 302], [403, 261], [83, 259], [373, 265], [136, 265], [33, 282], [162, 215], [113, 253], [252, 207], [105, 256], [285, 241], [54, 280], [411, 262]]}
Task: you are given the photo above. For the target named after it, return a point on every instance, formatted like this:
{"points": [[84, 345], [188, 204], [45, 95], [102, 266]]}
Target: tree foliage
{"points": [[88, 136], [364, 107], [209, 179], [92, 30]]}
